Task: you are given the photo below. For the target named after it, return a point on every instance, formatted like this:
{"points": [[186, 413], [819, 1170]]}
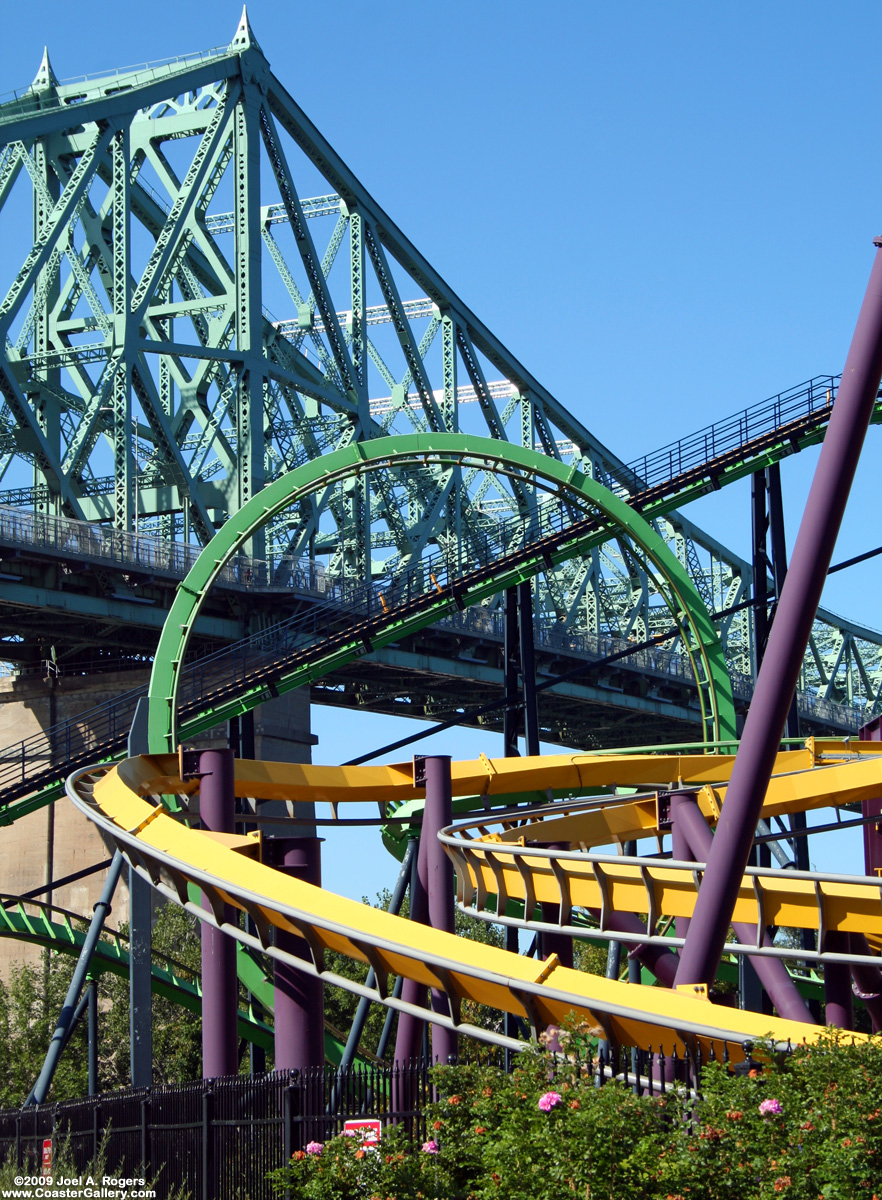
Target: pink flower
{"points": [[549, 1101], [770, 1108], [430, 1147], [347, 1133], [314, 1148]]}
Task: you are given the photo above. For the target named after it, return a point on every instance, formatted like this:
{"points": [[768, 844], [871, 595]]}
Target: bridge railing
{"points": [[734, 433], [94, 542], [153, 555], [341, 602]]}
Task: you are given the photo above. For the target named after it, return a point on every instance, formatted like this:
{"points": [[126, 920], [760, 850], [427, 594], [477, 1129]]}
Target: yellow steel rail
{"points": [[124, 802]]}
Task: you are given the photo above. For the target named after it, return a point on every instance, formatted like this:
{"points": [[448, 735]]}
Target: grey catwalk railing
{"points": [[843, 717], [344, 604], [810, 399], [401, 593], [155, 555], [341, 607], [102, 730]]}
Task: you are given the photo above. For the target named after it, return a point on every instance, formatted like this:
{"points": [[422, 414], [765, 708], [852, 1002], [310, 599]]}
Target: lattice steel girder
{"points": [[168, 107], [145, 346]]}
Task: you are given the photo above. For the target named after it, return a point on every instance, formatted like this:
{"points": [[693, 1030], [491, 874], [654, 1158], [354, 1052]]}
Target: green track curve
{"points": [[56, 929], [688, 611]]}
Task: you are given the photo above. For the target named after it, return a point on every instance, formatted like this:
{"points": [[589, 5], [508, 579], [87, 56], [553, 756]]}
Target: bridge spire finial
{"points": [[45, 77], [244, 38]]}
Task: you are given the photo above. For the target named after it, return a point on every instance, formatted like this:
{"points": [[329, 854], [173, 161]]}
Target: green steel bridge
{"points": [[148, 391]]}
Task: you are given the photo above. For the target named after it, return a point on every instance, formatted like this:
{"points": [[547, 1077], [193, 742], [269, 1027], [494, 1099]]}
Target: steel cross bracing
{"points": [[166, 214]]}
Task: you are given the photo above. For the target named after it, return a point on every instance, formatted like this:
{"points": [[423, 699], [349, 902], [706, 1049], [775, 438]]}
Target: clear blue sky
{"points": [[665, 210]]}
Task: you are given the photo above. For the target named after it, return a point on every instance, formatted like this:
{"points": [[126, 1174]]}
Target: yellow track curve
{"points": [[125, 801]]}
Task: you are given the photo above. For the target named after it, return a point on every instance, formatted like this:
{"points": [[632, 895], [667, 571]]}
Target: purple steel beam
{"points": [[867, 980], [409, 1034], [680, 852], [298, 1016], [773, 975], [838, 1003], [872, 808], [220, 988], [437, 815], [550, 942], [662, 962], [788, 639]]}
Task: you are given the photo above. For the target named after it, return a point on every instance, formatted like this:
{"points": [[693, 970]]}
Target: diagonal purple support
{"points": [[787, 641], [661, 962], [772, 973], [867, 980]]}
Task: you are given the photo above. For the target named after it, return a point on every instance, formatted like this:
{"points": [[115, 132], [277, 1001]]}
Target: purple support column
{"points": [[838, 1004], [872, 808], [788, 639], [438, 814], [771, 971], [220, 989], [680, 852], [431, 903], [299, 1015], [867, 980]]}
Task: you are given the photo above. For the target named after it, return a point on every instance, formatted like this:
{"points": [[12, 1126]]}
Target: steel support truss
{"points": [[145, 382]]}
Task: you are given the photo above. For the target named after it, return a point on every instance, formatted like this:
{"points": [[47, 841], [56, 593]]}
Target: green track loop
{"points": [[699, 637]]}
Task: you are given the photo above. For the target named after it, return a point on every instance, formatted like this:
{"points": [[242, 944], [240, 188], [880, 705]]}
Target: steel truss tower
{"points": [[164, 216]]}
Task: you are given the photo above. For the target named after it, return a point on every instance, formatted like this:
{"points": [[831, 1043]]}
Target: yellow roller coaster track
{"points": [[126, 803]]}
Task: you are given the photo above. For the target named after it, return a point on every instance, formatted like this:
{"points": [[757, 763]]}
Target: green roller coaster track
{"points": [[63, 932], [613, 516], [609, 514]]}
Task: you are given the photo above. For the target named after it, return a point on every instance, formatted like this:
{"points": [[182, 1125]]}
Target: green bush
{"points": [[805, 1126]]}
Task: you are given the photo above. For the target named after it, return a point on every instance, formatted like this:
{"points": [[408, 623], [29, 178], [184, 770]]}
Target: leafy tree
{"points": [[29, 1007], [177, 1032]]}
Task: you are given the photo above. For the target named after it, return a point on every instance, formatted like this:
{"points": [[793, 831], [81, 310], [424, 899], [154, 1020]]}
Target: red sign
{"points": [[47, 1156], [368, 1131]]}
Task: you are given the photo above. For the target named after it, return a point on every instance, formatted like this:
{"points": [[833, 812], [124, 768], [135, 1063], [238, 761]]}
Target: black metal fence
{"points": [[217, 1138]]}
